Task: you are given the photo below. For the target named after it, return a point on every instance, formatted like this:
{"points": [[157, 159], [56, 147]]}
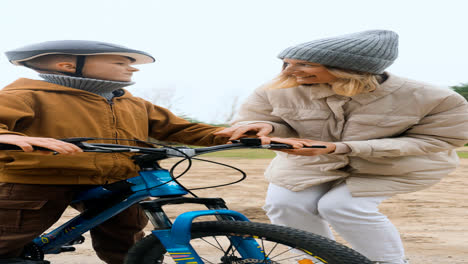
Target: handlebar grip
{"points": [[252, 142], [286, 146], [280, 146]]}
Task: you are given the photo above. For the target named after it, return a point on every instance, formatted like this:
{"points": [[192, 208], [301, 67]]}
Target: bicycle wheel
{"points": [[281, 245]]}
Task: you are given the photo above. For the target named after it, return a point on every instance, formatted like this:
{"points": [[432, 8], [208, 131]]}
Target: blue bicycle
{"points": [[232, 238]]}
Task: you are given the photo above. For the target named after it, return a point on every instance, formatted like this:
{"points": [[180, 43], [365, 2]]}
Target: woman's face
{"points": [[307, 72]]}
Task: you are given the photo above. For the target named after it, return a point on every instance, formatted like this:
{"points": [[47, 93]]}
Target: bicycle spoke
{"points": [[264, 255], [219, 244], [268, 255], [284, 252], [270, 252], [288, 258], [235, 247], [213, 245], [242, 243], [230, 248], [205, 260]]}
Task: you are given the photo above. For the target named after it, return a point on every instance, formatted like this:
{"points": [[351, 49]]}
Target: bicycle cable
{"points": [[244, 175], [171, 170], [173, 178]]}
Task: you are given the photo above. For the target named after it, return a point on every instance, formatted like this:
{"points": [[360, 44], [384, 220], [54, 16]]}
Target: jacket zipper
{"points": [[111, 105], [114, 127]]}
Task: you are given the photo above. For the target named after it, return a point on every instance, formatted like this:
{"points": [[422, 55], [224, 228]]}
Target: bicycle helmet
{"points": [[79, 48]]}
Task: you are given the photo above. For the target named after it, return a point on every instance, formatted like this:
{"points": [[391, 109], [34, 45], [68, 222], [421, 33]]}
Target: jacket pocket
{"points": [[378, 126], [308, 123], [20, 215]]}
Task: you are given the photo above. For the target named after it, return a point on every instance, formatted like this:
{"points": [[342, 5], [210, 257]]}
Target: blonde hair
{"points": [[351, 83], [348, 83], [281, 81]]}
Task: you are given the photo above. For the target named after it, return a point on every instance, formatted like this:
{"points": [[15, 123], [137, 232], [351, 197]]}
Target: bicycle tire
{"points": [[149, 250]]}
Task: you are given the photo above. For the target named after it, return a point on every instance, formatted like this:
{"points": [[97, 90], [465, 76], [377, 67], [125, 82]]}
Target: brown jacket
{"points": [[41, 109]]}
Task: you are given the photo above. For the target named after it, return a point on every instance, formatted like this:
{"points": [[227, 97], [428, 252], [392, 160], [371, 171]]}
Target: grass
{"points": [[243, 153], [463, 154]]}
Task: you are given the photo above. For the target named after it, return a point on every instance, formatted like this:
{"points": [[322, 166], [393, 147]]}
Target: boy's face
{"points": [[108, 67]]}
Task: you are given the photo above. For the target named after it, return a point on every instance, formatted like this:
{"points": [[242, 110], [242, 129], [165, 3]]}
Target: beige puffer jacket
{"points": [[401, 136]]}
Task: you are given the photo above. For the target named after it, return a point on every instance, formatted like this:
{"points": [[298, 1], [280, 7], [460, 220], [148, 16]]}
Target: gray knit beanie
{"points": [[369, 51]]}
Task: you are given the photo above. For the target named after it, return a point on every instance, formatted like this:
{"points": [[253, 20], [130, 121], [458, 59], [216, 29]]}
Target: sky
{"points": [[211, 54]]}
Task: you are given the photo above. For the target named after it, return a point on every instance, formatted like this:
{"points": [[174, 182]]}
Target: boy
{"points": [[81, 96]]}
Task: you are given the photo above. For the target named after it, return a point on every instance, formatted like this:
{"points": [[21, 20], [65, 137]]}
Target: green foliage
{"points": [[194, 120], [462, 154], [189, 118], [462, 89], [243, 153]]}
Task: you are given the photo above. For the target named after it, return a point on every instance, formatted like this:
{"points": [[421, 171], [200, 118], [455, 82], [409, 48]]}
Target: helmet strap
{"points": [[80, 61]]}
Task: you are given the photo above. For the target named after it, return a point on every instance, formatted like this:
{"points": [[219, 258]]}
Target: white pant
{"points": [[356, 219]]}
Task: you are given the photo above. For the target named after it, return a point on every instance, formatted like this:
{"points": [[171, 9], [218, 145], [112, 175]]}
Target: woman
{"points": [[384, 134]]}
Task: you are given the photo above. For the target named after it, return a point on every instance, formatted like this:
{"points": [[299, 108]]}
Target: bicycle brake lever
{"points": [[77, 139], [86, 147]]}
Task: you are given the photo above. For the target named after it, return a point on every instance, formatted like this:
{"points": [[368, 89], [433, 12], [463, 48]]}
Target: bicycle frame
{"points": [[175, 237]]}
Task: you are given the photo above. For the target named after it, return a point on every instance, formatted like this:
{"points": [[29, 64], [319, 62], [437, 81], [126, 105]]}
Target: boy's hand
{"points": [[298, 145], [236, 132], [27, 143]]}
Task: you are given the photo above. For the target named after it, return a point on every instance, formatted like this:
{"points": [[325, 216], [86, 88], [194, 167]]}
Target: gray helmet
{"points": [[75, 47], [79, 48]]}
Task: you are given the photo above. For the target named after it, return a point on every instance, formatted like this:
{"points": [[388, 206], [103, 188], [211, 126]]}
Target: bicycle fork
{"points": [[176, 236]]}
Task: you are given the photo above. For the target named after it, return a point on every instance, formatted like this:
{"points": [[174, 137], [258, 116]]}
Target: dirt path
{"points": [[433, 222]]}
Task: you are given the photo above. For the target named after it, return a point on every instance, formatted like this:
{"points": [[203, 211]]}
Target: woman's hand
{"points": [[27, 143], [236, 132], [298, 145]]}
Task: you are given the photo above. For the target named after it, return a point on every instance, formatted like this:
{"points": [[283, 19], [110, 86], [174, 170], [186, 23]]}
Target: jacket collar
{"points": [[38, 85], [316, 92], [390, 85], [103, 88]]}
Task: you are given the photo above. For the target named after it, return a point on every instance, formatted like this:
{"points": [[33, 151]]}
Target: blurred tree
{"points": [[165, 97], [232, 111], [462, 89], [189, 118]]}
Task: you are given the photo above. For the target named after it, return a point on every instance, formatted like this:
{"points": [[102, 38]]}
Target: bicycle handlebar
{"points": [[170, 151]]}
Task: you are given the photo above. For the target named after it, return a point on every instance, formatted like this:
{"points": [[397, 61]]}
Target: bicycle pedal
{"points": [[67, 249], [76, 241]]}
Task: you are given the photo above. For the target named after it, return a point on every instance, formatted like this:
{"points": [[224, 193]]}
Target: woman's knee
{"points": [[280, 200], [337, 202], [340, 204], [287, 206], [329, 207]]}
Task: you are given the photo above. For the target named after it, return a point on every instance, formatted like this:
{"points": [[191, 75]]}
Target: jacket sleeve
{"points": [[257, 109], [16, 113], [166, 126], [444, 128]]}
